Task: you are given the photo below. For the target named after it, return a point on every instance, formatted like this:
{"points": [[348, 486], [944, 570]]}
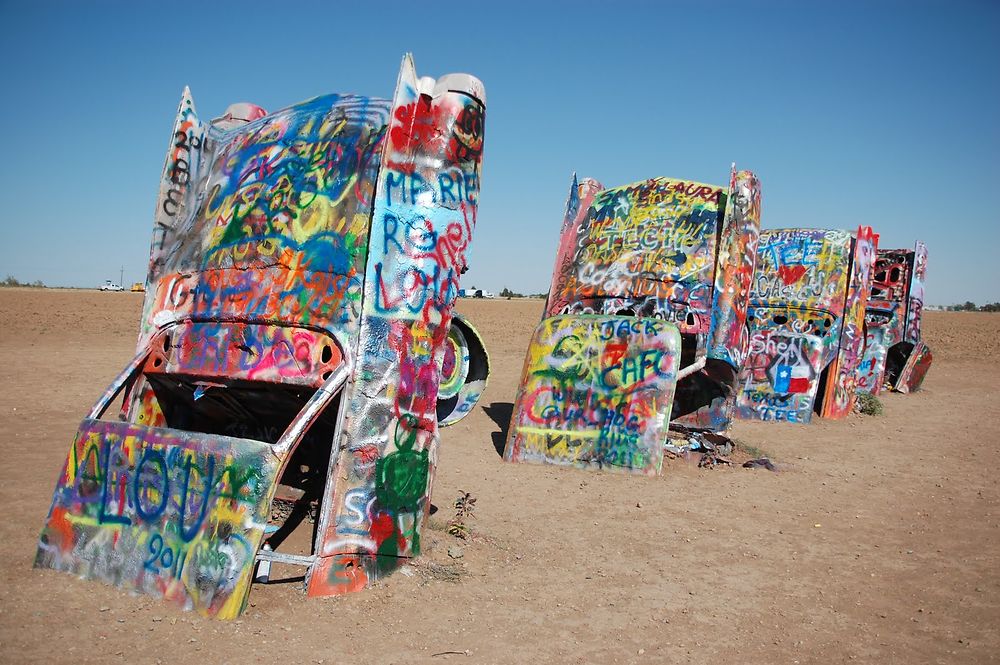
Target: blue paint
{"points": [[138, 484], [103, 517], [782, 378]]}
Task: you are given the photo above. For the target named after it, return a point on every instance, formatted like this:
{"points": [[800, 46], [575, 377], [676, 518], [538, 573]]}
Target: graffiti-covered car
{"points": [[297, 330], [805, 319], [644, 322], [895, 353]]}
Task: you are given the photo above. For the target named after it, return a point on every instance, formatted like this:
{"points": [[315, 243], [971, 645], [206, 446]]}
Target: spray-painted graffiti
{"points": [[174, 515], [271, 230], [893, 320], [841, 388], [672, 250], [871, 369], [735, 268], [279, 354], [917, 363], [278, 219], [803, 267], [779, 378], [422, 223], [706, 400], [597, 393], [646, 249], [915, 298], [811, 285]]}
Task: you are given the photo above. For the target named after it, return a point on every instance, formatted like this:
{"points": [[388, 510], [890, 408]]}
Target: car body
{"points": [[805, 323], [644, 322], [895, 353], [111, 286], [297, 330]]}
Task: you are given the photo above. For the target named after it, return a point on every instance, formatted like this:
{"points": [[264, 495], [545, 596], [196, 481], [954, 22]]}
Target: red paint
{"points": [[791, 274], [65, 530], [337, 575], [419, 124], [798, 385], [383, 528], [613, 353]]}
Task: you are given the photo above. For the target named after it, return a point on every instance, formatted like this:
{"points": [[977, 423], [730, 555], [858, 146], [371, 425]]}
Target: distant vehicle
{"points": [[111, 286], [137, 287]]}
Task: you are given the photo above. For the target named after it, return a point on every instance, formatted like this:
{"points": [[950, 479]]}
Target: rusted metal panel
{"points": [[596, 393]]}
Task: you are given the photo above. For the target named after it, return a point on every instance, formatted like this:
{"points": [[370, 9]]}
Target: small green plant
{"points": [[868, 405], [750, 450], [465, 509]]}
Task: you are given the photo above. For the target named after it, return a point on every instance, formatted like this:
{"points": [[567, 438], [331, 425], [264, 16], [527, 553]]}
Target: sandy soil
{"points": [[879, 541]]}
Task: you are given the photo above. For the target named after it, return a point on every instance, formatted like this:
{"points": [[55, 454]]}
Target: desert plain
{"points": [[877, 541]]}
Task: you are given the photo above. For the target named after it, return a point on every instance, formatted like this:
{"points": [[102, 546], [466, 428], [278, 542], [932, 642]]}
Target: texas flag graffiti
{"points": [[791, 379]]}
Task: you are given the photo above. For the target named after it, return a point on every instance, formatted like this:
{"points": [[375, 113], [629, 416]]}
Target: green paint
{"points": [[401, 476]]}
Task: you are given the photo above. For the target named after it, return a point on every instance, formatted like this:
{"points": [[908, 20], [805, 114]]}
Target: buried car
{"points": [[297, 332], [805, 320], [644, 322], [895, 353]]}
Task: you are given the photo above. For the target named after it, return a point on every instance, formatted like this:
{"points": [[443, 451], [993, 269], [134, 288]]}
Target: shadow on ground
{"points": [[500, 413]]}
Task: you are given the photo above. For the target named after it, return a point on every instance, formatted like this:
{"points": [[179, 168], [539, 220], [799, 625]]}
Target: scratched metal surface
{"points": [[175, 515]]}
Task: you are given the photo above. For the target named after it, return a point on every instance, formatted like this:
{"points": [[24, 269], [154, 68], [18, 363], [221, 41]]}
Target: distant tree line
{"points": [[969, 306], [507, 293], [13, 281]]}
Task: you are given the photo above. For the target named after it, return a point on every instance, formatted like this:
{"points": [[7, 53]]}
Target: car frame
{"points": [[644, 322], [297, 337], [895, 354], [805, 323]]}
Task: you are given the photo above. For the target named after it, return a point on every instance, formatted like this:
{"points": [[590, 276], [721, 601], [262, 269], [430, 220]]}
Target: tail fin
{"points": [[581, 196], [176, 182]]}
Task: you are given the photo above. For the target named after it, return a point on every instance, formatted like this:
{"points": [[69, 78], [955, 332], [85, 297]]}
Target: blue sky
{"points": [[880, 113]]}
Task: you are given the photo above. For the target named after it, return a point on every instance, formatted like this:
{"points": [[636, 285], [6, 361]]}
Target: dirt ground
{"points": [[878, 541]]}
